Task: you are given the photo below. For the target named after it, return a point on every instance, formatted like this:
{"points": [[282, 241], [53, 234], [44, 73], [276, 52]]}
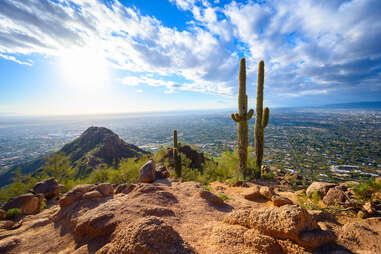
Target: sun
{"points": [[84, 68]]}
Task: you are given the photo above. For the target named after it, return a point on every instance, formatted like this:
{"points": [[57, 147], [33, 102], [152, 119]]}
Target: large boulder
{"points": [[321, 188], [334, 196], [147, 172], [288, 222], [149, 235], [27, 203], [49, 188], [92, 225]]}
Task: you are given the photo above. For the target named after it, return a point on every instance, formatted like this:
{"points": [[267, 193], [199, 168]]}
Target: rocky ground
{"points": [[169, 216]]}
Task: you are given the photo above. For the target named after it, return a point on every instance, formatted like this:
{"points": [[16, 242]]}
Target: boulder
{"points": [[125, 188], [266, 192], [49, 188], [161, 172], [280, 201], [321, 187], [252, 192], [95, 225], [211, 198], [147, 172], [27, 203], [147, 235], [260, 243], [288, 222], [105, 188], [3, 214], [334, 196], [75, 193]]}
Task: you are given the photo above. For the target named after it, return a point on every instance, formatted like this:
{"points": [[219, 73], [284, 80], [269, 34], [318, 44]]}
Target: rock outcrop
{"points": [[147, 172], [49, 188], [320, 187], [27, 203], [288, 222]]}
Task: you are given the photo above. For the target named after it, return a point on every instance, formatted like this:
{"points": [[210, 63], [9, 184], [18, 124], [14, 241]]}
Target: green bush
{"points": [[315, 197], [13, 213], [42, 205], [365, 190]]}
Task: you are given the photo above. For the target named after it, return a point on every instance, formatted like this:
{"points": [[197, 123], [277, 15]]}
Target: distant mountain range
{"points": [[354, 105], [95, 146]]}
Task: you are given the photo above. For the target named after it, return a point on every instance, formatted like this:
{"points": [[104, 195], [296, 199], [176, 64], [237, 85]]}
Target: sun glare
{"points": [[85, 69]]}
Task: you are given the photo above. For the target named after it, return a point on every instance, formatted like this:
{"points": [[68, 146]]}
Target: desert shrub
{"points": [[13, 213], [366, 190], [224, 197], [268, 175], [100, 175], [42, 205], [315, 197]]}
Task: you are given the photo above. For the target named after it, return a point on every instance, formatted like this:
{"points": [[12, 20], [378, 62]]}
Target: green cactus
{"points": [[176, 155], [241, 118], [261, 119]]}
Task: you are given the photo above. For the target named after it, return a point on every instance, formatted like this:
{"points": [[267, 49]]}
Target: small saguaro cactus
{"points": [[261, 119], [176, 155], [241, 118]]}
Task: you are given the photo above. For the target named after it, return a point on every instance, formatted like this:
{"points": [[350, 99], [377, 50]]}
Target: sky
{"points": [[60, 57]]}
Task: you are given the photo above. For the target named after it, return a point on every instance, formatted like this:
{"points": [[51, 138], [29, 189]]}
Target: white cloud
{"points": [[332, 43]]}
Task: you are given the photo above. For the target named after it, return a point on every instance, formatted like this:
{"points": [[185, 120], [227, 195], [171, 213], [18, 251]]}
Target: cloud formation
{"points": [[310, 47]]}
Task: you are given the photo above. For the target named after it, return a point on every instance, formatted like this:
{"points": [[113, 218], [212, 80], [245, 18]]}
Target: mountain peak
{"points": [[99, 145]]}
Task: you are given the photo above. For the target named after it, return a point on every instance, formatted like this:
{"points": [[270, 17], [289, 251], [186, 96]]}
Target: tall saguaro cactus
{"points": [[261, 119], [176, 155], [241, 118]]}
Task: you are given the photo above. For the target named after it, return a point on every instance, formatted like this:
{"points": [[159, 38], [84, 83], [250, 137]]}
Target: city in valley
{"points": [[324, 144]]}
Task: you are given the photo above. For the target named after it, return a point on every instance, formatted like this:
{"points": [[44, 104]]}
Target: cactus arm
{"points": [[265, 117], [250, 114], [175, 138], [235, 118]]}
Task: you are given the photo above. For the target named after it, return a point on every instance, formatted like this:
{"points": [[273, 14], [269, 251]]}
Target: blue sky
{"points": [[87, 56]]}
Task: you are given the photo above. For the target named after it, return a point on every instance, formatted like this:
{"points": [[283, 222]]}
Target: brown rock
{"points": [[261, 243], [334, 196], [125, 188], [252, 193], [286, 222], [28, 203], [6, 224], [211, 198], [280, 201], [105, 188], [147, 172], [75, 193], [321, 187], [92, 194], [161, 172], [315, 238], [95, 225], [49, 188], [369, 208], [149, 235], [359, 235], [266, 192]]}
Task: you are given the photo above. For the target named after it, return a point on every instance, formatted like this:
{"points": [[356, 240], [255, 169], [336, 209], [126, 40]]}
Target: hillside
{"points": [[95, 146]]}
